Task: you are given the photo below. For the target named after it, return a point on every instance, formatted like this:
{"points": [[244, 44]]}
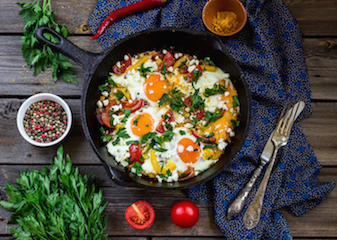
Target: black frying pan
{"points": [[97, 67]]}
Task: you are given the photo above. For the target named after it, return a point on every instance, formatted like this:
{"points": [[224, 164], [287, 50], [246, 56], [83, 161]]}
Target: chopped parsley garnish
{"points": [[110, 81], [183, 64], [212, 117], [217, 89], [121, 133], [103, 87], [160, 149], [210, 62], [196, 75], [174, 98], [132, 142], [135, 122], [235, 101], [182, 132], [119, 95], [168, 174], [197, 102], [195, 120], [235, 123], [144, 71], [127, 113], [168, 135], [138, 168]]}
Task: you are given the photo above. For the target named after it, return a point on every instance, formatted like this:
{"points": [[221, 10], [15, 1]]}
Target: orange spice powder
{"points": [[225, 22]]}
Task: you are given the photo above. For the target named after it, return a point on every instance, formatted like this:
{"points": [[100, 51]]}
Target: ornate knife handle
{"points": [[237, 205]]}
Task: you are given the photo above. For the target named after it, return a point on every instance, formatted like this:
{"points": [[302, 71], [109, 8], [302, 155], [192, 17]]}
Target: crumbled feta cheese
{"points": [[191, 68], [232, 134], [188, 125], [105, 93], [126, 57], [226, 93], [190, 148], [99, 104], [118, 64], [222, 145], [105, 102], [180, 148], [151, 92], [164, 51]]}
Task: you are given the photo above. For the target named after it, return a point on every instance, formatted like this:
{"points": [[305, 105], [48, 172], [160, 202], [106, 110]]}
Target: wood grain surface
{"points": [[318, 23]]}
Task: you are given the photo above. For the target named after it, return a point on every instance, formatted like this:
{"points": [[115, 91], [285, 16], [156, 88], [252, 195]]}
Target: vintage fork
{"points": [[279, 138]]}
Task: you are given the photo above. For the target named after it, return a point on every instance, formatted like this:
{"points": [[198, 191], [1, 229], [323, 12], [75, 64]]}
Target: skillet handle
{"points": [[80, 56]]}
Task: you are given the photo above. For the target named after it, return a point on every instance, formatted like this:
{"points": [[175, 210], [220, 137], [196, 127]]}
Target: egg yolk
{"points": [[188, 150], [154, 87], [142, 124]]}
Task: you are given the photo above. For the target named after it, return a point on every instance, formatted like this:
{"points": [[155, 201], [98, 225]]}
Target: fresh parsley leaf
{"points": [[112, 82], [182, 132], [132, 142], [210, 62], [197, 102], [217, 89], [103, 87], [160, 149], [127, 113], [164, 99], [235, 123]]}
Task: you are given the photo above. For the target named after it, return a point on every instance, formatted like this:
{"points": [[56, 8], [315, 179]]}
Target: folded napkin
{"points": [[269, 52]]}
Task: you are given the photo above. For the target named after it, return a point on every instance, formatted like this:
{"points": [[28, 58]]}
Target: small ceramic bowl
{"points": [[212, 7], [37, 98]]}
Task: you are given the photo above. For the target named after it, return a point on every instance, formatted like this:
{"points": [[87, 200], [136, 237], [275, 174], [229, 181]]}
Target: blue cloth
{"points": [[269, 52]]}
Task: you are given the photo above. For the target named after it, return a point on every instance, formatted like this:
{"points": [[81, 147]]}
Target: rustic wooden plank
{"points": [[320, 222], [320, 129], [17, 79], [316, 18]]}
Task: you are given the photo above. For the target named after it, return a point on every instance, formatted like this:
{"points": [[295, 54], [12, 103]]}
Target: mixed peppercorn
{"points": [[45, 121]]}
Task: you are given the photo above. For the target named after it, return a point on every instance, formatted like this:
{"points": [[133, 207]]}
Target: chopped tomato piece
{"points": [[191, 77], [168, 61], [168, 117], [140, 215], [203, 138], [124, 65], [106, 119], [134, 105], [136, 153]]}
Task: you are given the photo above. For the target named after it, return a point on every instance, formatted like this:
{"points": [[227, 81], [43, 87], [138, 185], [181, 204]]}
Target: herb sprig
{"points": [[56, 203], [40, 56]]}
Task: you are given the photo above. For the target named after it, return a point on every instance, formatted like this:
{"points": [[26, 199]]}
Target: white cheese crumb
{"points": [[118, 64], [151, 92], [164, 51], [180, 148], [99, 104], [190, 148], [105, 102], [105, 93], [191, 68], [226, 93], [126, 57], [232, 134], [222, 145]]}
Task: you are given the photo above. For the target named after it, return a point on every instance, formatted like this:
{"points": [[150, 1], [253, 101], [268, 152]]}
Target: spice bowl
{"points": [[44, 120], [224, 17]]}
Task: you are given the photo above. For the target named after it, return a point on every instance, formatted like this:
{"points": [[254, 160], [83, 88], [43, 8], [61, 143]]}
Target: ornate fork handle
{"points": [[253, 212], [237, 205]]}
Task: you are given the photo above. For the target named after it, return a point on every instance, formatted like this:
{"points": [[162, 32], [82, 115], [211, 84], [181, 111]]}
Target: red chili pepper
{"points": [[126, 11]]}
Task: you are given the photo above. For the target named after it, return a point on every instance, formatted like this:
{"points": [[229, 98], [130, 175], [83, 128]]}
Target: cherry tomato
{"points": [[124, 65], [134, 105], [136, 153], [140, 215], [168, 60], [184, 214], [106, 119]]}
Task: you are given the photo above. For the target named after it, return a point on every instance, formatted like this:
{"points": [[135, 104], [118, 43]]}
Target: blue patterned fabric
{"points": [[269, 52]]}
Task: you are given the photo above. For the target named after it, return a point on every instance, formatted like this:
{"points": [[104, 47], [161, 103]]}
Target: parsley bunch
{"points": [[40, 56], [56, 203]]}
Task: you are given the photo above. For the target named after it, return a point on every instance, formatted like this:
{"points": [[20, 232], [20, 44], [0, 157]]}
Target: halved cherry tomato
{"points": [[134, 105], [136, 153], [203, 138], [168, 60], [184, 214], [106, 119], [124, 65], [140, 215], [168, 117], [198, 113]]}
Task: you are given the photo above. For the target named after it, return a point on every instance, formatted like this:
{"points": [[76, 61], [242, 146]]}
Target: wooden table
{"points": [[318, 22]]}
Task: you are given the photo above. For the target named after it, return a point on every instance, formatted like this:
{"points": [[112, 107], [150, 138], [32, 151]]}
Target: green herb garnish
{"points": [[235, 101], [144, 71]]}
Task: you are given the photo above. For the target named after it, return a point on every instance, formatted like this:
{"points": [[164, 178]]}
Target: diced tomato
{"points": [[140, 215], [203, 138], [106, 119], [136, 153], [134, 105], [124, 65], [168, 61], [168, 117]]}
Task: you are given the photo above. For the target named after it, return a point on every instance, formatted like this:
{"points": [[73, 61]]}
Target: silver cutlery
{"points": [[279, 138], [237, 205]]}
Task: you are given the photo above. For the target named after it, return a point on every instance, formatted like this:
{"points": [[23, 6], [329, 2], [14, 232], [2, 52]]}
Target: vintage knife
{"points": [[237, 205]]}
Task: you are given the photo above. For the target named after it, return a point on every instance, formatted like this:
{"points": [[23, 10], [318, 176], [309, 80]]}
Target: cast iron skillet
{"points": [[97, 67]]}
